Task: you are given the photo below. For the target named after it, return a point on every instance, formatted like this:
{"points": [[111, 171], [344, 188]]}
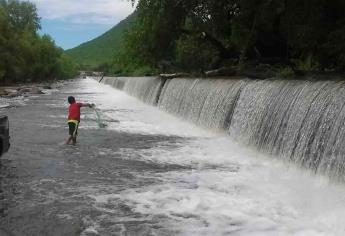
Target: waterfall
{"points": [[116, 82], [206, 102], [146, 89], [298, 120], [302, 121]]}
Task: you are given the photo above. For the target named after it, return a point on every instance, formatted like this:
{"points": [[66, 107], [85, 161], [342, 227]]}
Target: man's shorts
{"points": [[73, 127]]}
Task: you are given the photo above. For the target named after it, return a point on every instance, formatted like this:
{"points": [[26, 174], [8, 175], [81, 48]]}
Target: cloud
{"points": [[104, 12]]}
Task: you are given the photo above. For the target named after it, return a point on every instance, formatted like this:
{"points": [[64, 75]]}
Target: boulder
{"points": [[35, 90], [24, 90], [3, 92], [9, 90], [47, 87], [12, 95]]}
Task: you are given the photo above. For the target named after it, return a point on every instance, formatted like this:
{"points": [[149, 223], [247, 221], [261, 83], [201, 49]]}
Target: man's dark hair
{"points": [[71, 99]]}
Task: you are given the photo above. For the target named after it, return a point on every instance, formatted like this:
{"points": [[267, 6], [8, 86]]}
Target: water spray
{"points": [[100, 123]]}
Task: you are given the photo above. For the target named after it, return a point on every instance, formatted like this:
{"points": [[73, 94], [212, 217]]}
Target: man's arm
{"points": [[90, 105]]}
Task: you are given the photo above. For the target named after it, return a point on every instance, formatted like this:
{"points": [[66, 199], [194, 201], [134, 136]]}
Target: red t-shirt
{"points": [[74, 111]]}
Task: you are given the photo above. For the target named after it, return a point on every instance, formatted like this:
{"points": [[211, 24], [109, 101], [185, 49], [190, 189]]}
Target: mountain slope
{"points": [[102, 48]]}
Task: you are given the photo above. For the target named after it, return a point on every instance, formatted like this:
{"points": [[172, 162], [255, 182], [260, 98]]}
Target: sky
{"points": [[72, 22]]}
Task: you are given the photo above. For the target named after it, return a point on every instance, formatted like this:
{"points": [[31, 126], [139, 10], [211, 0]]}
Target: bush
{"points": [[285, 72]]}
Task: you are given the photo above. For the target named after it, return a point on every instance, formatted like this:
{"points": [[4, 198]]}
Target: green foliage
{"points": [[285, 72], [142, 71], [194, 54], [306, 64], [21, 15], [151, 38], [196, 35], [333, 51], [110, 68], [67, 69], [188, 32], [25, 55]]}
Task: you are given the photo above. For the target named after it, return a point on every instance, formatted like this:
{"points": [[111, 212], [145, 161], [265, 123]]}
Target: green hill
{"points": [[103, 48]]}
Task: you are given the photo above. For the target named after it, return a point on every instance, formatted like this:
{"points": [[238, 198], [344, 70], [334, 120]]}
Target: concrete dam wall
{"points": [[301, 121]]}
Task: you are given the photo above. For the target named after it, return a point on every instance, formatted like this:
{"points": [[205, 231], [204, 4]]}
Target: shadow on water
{"points": [[7, 183]]}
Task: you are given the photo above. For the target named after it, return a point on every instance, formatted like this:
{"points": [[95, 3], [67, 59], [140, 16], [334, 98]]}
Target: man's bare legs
{"points": [[71, 138]]}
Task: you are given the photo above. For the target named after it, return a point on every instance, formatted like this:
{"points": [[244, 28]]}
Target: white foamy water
{"points": [[224, 188], [134, 116]]}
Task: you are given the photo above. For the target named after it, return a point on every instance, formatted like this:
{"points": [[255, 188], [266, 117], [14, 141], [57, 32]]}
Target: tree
{"points": [[270, 31], [25, 55], [22, 15]]}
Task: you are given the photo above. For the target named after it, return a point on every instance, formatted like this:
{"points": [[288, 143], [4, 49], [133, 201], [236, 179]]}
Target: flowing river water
{"points": [[149, 173]]}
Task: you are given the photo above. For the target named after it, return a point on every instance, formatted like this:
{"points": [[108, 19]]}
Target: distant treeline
{"points": [[26, 56], [199, 35]]}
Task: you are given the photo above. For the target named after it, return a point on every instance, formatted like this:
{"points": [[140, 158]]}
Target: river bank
{"points": [[24, 89], [15, 95]]}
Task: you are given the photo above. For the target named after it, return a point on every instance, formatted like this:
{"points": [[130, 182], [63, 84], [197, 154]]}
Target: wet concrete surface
{"points": [[46, 187]]}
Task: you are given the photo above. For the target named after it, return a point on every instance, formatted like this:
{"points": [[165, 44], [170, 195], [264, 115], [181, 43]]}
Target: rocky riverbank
{"points": [[15, 95], [23, 90]]}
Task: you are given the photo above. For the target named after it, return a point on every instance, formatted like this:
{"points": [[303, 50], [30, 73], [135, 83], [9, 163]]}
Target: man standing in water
{"points": [[74, 118]]}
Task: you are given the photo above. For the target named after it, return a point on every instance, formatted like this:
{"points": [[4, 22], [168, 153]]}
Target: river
{"points": [[149, 173]]}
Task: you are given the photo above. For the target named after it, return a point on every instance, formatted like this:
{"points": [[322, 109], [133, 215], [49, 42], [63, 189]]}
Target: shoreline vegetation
{"points": [[259, 39]]}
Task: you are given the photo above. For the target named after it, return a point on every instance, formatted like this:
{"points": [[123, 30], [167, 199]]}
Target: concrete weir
{"points": [[299, 120]]}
